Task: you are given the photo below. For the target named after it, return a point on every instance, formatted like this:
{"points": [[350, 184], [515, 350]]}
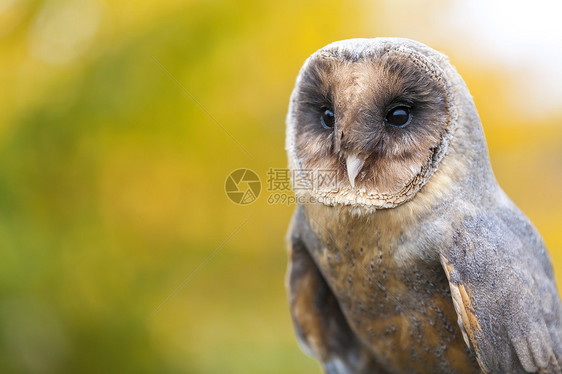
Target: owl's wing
{"points": [[505, 296], [321, 328]]}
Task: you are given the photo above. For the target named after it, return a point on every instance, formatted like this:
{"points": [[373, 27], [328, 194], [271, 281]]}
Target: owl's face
{"points": [[377, 118]]}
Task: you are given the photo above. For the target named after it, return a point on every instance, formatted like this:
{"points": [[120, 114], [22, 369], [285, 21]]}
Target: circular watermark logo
{"points": [[242, 186]]}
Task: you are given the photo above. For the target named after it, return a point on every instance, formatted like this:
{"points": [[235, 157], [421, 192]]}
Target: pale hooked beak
{"points": [[354, 163]]}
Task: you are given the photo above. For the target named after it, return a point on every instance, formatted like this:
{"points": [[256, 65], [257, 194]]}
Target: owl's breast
{"points": [[397, 303]]}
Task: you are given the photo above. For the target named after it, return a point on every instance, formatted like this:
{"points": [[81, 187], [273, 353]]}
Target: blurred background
{"points": [[119, 250]]}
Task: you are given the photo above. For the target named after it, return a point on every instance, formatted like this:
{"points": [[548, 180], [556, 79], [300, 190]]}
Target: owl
{"points": [[412, 259]]}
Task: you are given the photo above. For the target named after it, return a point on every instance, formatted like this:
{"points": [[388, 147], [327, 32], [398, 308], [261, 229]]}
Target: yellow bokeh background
{"points": [[119, 249]]}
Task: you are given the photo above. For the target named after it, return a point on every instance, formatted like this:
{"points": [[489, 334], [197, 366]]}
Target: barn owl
{"points": [[416, 261]]}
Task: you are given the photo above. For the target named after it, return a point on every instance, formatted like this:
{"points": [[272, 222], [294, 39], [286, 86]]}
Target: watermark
{"points": [[290, 199], [243, 186]]}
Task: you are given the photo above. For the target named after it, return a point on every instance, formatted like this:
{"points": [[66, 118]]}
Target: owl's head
{"points": [[377, 114]]}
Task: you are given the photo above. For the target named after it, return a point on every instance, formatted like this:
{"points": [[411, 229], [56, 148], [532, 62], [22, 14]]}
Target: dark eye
{"points": [[399, 116], [327, 118]]}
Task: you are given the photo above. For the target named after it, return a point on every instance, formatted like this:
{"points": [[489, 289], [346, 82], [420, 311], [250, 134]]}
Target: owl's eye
{"points": [[399, 116], [327, 118]]}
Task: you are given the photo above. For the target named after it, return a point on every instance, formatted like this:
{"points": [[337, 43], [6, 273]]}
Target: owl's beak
{"points": [[354, 164]]}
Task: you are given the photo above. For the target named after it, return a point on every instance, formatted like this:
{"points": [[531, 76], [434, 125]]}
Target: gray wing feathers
{"points": [[502, 275]]}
